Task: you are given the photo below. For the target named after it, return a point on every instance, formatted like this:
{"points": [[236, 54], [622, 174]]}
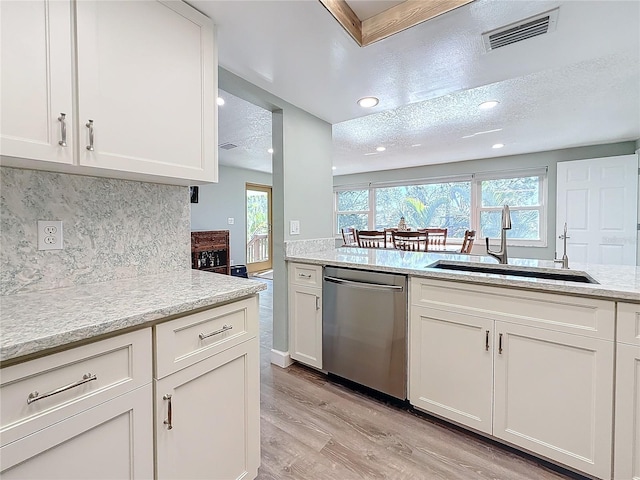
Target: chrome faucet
{"points": [[564, 260], [501, 255]]}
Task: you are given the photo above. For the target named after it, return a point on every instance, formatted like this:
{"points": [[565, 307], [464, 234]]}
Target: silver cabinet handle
{"points": [[352, 283], [217, 332], [317, 302], [63, 130], [168, 421], [302, 275], [35, 396], [486, 340], [89, 125]]}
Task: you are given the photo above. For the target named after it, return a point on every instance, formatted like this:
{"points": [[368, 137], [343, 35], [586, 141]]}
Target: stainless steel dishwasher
{"points": [[364, 328]]}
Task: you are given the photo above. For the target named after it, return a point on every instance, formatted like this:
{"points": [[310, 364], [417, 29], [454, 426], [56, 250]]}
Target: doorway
{"points": [[259, 241]]}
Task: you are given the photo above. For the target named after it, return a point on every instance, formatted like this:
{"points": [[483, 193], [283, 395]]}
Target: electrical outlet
{"points": [[50, 235], [294, 227], [231, 221]]}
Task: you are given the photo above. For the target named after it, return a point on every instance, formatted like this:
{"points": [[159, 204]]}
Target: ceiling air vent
{"points": [[518, 31], [227, 146]]}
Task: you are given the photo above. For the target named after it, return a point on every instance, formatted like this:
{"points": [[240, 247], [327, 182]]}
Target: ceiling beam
{"points": [[396, 19], [346, 17], [403, 16]]}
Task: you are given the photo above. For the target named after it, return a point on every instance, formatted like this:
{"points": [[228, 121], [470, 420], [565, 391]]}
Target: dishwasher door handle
{"points": [[352, 283]]}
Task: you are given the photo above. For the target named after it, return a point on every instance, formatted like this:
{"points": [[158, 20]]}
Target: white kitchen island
{"points": [[149, 377], [529, 362]]}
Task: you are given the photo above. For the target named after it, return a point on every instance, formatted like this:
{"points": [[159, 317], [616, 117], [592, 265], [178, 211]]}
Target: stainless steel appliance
{"points": [[364, 328]]}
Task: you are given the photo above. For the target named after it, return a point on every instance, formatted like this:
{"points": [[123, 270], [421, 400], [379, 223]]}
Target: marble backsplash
{"points": [[111, 228], [300, 247]]}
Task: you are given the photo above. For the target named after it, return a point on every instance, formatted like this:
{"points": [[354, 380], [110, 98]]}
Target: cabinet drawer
{"points": [[187, 340], [302, 274], [629, 323], [119, 364], [562, 313]]}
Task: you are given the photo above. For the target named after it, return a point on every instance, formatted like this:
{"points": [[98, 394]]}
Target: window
{"points": [[458, 204], [439, 205], [352, 209], [525, 194]]}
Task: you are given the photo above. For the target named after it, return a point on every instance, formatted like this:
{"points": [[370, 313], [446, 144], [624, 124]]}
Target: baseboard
{"points": [[281, 359]]}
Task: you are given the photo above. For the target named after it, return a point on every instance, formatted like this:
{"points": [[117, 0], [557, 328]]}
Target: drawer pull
{"points": [[500, 344], [63, 130], [35, 396], [89, 125], [304, 276], [168, 421], [486, 341], [223, 329]]}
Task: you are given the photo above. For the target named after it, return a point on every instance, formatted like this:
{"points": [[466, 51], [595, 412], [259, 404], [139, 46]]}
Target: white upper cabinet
{"points": [[146, 88], [36, 66]]}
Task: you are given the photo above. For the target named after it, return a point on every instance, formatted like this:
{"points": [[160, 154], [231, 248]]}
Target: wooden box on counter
{"points": [[210, 251]]}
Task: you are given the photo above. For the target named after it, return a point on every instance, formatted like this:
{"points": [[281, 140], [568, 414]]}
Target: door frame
{"points": [[268, 189]]}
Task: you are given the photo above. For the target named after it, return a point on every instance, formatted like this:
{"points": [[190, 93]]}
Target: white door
{"points": [[598, 199], [36, 94], [553, 395], [451, 366], [208, 418], [305, 315]]}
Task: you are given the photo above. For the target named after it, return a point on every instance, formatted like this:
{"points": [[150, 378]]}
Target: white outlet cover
{"points": [[231, 221], [294, 227], [50, 235]]}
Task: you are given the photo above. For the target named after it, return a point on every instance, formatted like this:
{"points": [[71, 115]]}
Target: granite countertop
{"points": [[34, 322], [615, 282]]}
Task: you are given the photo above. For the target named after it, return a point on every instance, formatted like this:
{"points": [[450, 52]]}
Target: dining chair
{"points": [[349, 237], [370, 238], [414, 241], [437, 237], [467, 243], [388, 236]]}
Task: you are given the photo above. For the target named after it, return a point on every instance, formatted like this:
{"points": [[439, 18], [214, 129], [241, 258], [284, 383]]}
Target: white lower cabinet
{"points": [[305, 313], [627, 429], [207, 418], [84, 413], [112, 440], [480, 359]]}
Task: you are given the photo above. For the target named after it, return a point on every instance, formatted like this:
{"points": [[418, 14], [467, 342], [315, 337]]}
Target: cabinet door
{"points": [[553, 395], [36, 66], [451, 366], [305, 319], [147, 78], [213, 408], [627, 444], [112, 440]]}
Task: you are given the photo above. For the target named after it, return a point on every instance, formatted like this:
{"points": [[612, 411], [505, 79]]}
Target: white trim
{"points": [[280, 359]]}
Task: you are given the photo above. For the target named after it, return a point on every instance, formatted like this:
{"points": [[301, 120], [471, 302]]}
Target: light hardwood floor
{"points": [[315, 428]]}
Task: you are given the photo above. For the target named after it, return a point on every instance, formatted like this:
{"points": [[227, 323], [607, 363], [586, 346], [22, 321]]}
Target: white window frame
{"points": [[336, 212], [477, 208]]}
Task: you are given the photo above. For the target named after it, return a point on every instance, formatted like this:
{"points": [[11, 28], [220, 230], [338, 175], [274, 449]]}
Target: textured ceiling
{"points": [[579, 85]]}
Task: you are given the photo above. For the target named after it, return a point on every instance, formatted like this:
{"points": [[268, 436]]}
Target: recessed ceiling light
{"points": [[220, 101], [498, 145], [270, 150], [371, 153], [416, 145], [489, 104], [368, 102], [380, 149], [333, 168]]}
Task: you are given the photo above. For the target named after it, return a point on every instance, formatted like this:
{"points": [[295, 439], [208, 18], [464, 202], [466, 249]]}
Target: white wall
{"points": [[497, 164], [225, 199]]}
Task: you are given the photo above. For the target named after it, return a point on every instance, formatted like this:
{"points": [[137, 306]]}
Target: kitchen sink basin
{"points": [[517, 271]]}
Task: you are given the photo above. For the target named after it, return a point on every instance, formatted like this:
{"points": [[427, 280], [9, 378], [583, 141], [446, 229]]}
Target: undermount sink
{"points": [[517, 271]]}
